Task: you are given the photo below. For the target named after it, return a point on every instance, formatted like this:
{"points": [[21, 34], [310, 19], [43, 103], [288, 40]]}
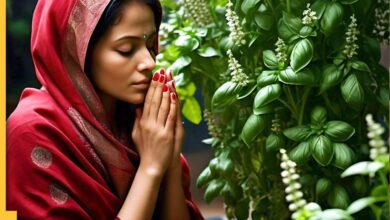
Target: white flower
{"points": [[199, 11], [238, 75], [294, 195], [281, 52], [309, 16], [236, 33], [350, 46], [381, 25], [375, 130]]}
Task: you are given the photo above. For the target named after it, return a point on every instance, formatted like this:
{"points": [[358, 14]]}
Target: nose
{"points": [[147, 61]]}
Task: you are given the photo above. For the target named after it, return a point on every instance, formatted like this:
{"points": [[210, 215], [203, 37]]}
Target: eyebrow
{"points": [[136, 37]]}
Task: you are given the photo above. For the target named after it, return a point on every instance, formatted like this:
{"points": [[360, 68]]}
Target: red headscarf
{"points": [[63, 162]]}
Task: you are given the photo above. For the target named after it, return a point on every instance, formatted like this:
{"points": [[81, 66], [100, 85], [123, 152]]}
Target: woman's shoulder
{"points": [[35, 112]]}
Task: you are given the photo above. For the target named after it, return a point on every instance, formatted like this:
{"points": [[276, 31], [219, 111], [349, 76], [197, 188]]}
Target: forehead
{"points": [[135, 18]]}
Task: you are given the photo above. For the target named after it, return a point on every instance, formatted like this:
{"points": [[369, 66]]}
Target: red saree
{"points": [[62, 160]]}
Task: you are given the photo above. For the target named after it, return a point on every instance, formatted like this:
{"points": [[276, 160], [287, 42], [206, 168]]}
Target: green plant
{"points": [[298, 75]]}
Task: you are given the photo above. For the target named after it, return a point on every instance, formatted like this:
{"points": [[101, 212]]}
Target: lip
{"points": [[142, 82]]}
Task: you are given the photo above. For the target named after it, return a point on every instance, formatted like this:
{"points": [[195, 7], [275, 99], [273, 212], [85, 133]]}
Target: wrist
{"points": [[174, 169], [154, 172]]}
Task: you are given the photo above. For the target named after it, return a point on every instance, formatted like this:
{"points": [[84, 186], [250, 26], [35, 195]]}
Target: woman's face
{"points": [[123, 59]]}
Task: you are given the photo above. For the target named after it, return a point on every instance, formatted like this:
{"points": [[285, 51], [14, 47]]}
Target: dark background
{"points": [[20, 74]]}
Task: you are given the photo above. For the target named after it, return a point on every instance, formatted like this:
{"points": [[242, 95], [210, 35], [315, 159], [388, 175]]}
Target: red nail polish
{"points": [[156, 77], [162, 78], [165, 88], [162, 71], [173, 96]]}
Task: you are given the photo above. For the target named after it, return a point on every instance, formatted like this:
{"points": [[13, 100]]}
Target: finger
{"points": [[138, 115], [169, 75], [171, 87], [149, 95], [164, 108], [156, 99], [171, 120], [179, 120]]}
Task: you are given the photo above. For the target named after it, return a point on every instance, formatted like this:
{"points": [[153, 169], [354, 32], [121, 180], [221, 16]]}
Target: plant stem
{"points": [[383, 177], [328, 103], [289, 107], [288, 6], [290, 100], [303, 104], [268, 2]]}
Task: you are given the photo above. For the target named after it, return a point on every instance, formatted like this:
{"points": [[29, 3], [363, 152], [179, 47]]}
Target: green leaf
{"points": [[270, 59], [318, 115], [266, 95], [187, 43], [267, 77], [191, 110], [322, 149], [331, 76], [301, 153], [301, 54], [360, 65], [306, 31], [338, 197], [323, 186], [230, 190], [294, 23], [286, 33], [274, 142], [343, 155], [332, 17], [339, 130], [201, 32], [247, 91], [225, 167], [253, 127], [319, 7], [264, 21], [379, 191], [348, 2], [180, 63], [334, 214], [226, 94], [298, 133], [363, 168], [360, 204], [248, 4], [213, 165], [352, 91], [305, 77], [209, 52], [213, 190], [204, 177], [264, 110], [208, 141]]}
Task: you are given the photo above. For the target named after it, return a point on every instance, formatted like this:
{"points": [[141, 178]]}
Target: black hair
{"points": [[108, 18]]}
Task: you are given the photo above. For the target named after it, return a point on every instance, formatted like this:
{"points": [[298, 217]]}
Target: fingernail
{"points": [[165, 88], [162, 71], [162, 78], [173, 96], [170, 73], [173, 84], [156, 77]]}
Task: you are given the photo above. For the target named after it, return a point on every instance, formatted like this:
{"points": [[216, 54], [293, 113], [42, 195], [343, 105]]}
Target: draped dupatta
{"points": [[63, 162]]}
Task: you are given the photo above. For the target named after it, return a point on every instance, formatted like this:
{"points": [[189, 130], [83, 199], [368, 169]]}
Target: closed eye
{"points": [[125, 53]]}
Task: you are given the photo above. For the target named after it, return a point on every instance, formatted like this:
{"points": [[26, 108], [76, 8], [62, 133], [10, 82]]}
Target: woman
{"points": [[101, 139]]}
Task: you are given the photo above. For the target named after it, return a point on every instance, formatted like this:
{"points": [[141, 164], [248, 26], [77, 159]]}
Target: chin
{"points": [[136, 99]]}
